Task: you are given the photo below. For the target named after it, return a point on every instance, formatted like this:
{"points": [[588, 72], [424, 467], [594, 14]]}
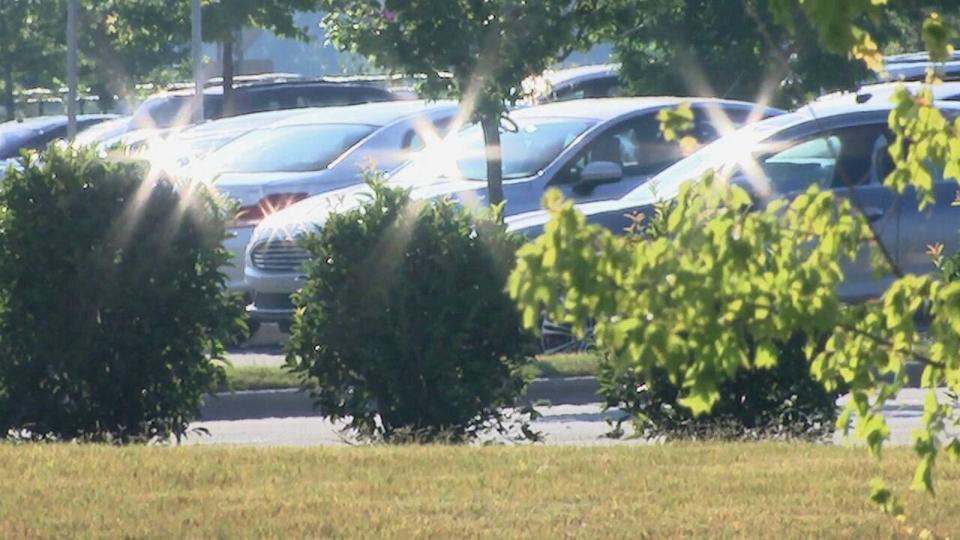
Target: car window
{"points": [[863, 151], [844, 157], [297, 148], [413, 139], [637, 146], [266, 99], [526, 147], [803, 164], [569, 95]]}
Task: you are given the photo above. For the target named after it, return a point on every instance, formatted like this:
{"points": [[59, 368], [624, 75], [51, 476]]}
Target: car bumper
{"points": [[236, 244], [271, 294]]}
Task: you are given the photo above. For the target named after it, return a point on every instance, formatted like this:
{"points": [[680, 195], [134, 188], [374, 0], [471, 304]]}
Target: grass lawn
{"points": [[706, 490], [268, 378]]}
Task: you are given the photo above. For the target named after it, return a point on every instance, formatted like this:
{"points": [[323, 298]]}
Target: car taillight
{"points": [[250, 216]]}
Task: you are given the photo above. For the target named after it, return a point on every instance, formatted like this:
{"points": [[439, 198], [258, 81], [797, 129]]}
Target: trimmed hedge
{"points": [[112, 300], [404, 325]]}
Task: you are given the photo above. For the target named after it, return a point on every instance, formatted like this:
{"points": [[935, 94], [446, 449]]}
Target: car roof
{"points": [[839, 107], [883, 91], [372, 114], [918, 56], [573, 75], [42, 123], [918, 70], [216, 90], [239, 123], [603, 109]]}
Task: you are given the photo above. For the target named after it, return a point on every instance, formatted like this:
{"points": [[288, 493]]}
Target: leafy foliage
{"points": [[702, 312], [778, 402], [727, 48], [29, 45], [112, 302], [727, 282], [403, 324]]}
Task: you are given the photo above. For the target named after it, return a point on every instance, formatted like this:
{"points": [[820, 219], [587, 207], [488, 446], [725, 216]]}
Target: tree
{"points": [[724, 281], [30, 45], [223, 19], [736, 48], [726, 48], [125, 42], [487, 47]]}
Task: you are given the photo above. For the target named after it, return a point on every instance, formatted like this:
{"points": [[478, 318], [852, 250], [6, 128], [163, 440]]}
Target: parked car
{"points": [[593, 81], [103, 132], [37, 133], [883, 92], [914, 67], [175, 149], [314, 151], [175, 108], [829, 144], [591, 149]]}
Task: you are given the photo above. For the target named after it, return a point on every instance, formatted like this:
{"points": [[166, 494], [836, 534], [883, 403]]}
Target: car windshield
{"points": [[288, 148], [527, 147], [719, 156]]}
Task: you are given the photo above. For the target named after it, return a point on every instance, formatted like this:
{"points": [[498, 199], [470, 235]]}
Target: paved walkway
{"points": [[284, 418]]}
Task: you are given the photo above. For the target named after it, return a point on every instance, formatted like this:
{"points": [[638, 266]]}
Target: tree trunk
{"points": [[491, 139], [8, 101], [6, 59], [228, 68]]}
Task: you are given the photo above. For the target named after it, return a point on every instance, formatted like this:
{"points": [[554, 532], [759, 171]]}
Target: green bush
{"points": [[781, 402], [404, 326], [112, 302]]}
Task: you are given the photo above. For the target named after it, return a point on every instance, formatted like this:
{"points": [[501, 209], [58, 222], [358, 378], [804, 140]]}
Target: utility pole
{"points": [[71, 69], [196, 45]]}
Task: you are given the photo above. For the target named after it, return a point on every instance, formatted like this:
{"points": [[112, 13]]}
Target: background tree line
{"points": [[731, 48]]}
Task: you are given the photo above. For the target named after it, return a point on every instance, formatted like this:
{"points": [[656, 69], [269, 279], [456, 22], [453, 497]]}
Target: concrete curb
{"points": [[258, 404], [286, 403]]}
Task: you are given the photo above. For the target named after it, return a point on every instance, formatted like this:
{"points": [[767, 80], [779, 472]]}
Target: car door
{"points": [[936, 224], [635, 145], [851, 162], [638, 147]]}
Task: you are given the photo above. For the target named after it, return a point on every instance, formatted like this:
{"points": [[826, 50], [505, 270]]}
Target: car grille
{"points": [[279, 256]]}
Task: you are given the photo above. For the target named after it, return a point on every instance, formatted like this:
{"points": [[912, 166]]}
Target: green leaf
{"points": [[923, 476], [883, 497], [766, 357], [938, 38]]}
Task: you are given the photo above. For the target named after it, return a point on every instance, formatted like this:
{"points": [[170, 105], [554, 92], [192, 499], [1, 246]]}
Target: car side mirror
{"points": [[598, 172], [743, 183]]}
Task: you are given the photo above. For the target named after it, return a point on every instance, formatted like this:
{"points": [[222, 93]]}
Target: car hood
{"points": [[311, 213], [248, 188]]}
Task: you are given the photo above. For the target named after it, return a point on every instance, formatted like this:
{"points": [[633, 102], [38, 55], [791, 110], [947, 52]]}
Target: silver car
{"points": [[594, 149], [829, 144], [311, 152]]}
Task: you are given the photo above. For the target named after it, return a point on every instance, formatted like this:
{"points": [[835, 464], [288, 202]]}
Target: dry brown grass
{"points": [[704, 490]]}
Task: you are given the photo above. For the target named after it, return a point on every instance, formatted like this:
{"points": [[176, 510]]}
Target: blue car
{"points": [[37, 133]]}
